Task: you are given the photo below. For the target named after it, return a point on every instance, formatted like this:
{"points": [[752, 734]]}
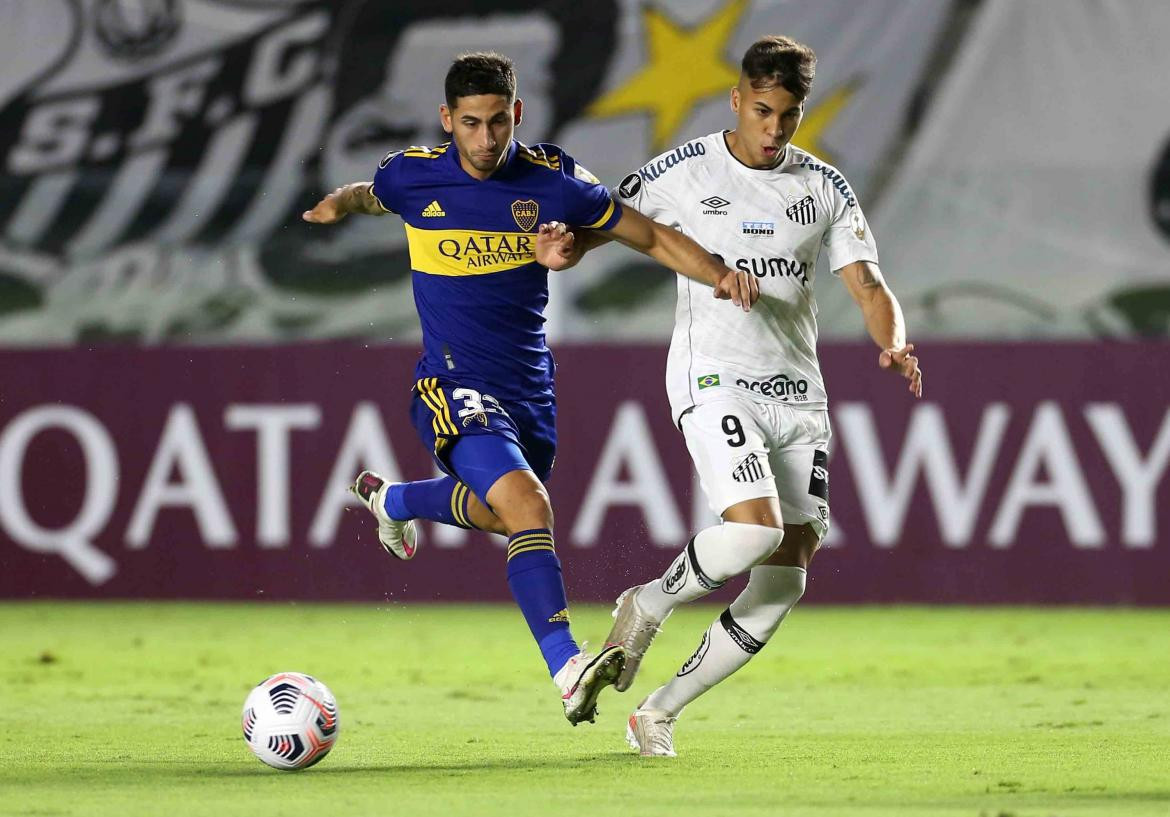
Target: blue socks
{"points": [[441, 500], [534, 575], [534, 571]]}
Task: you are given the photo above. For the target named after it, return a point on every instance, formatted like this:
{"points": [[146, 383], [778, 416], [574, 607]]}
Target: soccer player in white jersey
{"points": [[746, 389]]}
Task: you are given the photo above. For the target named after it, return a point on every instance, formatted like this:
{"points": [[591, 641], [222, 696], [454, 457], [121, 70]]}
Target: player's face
{"points": [[766, 119], [481, 127]]}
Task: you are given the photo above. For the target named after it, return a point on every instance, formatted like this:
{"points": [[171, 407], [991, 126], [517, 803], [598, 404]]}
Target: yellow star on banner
{"points": [[817, 120], [687, 65]]}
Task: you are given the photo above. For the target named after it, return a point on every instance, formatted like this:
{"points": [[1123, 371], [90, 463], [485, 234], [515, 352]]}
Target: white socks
{"points": [[739, 633], [711, 558]]}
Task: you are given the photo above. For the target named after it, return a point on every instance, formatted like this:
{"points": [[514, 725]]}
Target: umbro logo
{"points": [[715, 206], [433, 210]]}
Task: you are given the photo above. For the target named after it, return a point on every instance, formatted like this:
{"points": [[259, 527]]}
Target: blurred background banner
{"points": [[222, 474], [1035, 198], [190, 375], [155, 155]]}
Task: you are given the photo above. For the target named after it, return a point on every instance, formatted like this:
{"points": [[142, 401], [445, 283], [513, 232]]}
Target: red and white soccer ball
{"points": [[290, 720]]}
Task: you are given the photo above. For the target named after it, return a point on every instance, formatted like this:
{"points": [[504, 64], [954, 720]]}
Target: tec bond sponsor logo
{"points": [[655, 169], [696, 658], [677, 576], [775, 268], [757, 229], [714, 205], [779, 387]]}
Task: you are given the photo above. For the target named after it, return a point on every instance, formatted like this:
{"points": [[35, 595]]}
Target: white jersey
{"points": [[771, 223]]}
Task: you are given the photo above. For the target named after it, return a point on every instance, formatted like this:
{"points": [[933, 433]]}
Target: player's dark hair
{"points": [[483, 72], [778, 60]]}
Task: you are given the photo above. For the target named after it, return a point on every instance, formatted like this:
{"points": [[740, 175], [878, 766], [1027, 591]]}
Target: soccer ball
{"points": [[290, 720]]}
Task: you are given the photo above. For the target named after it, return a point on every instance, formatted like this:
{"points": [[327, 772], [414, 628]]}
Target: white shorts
{"points": [[743, 449]]}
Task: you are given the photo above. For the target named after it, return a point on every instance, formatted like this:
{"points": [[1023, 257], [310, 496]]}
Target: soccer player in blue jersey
{"points": [[483, 397]]}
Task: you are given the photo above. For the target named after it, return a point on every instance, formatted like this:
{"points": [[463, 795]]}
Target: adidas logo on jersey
{"points": [[433, 210], [563, 615]]}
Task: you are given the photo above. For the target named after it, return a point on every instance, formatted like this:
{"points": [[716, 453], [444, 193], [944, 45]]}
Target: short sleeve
{"points": [[588, 203], [636, 192], [385, 187], [849, 237]]}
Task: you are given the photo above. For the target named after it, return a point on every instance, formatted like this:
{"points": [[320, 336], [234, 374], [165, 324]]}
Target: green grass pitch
{"points": [[128, 709]]}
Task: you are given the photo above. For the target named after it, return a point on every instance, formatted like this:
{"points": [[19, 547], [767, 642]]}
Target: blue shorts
{"points": [[443, 412]]}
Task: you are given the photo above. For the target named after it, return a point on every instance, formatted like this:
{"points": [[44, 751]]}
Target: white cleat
{"points": [[650, 732], [583, 677], [398, 538], [634, 629]]}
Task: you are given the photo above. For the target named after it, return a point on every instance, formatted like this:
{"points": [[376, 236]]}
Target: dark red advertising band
{"points": [[1028, 474]]}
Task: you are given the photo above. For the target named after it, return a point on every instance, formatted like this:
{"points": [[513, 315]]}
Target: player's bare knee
{"points": [[760, 511], [797, 548], [527, 509]]}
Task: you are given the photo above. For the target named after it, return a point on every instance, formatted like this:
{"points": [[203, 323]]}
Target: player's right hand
{"points": [[328, 210], [741, 288], [555, 247], [904, 362]]}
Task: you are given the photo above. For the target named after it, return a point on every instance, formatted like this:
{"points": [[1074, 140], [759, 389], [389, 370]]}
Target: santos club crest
{"points": [[525, 212]]}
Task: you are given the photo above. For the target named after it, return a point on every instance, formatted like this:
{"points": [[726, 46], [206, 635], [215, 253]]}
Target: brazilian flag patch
{"points": [[708, 380]]}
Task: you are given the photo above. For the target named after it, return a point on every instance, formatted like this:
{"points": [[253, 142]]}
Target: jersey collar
{"points": [[504, 168], [747, 169]]}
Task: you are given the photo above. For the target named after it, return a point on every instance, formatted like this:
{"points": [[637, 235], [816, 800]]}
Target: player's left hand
{"points": [[554, 246], [741, 288], [902, 360]]}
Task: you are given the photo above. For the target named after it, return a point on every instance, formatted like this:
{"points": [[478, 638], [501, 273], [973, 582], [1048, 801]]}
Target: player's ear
{"points": [[445, 118], [517, 111], [734, 99]]}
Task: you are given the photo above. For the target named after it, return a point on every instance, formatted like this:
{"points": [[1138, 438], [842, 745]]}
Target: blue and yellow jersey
{"points": [[479, 292]]}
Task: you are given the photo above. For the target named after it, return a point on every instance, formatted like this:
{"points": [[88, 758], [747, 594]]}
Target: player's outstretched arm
{"points": [[558, 249], [676, 251], [883, 320], [352, 198]]}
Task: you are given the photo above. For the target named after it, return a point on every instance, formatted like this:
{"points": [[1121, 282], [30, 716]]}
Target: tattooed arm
{"points": [[883, 319], [352, 198]]}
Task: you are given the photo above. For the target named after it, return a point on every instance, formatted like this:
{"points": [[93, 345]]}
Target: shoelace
{"points": [[662, 734], [642, 624]]}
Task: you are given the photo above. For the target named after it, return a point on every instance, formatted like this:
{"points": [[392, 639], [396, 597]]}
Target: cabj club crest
{"points": [[525, 212]]}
